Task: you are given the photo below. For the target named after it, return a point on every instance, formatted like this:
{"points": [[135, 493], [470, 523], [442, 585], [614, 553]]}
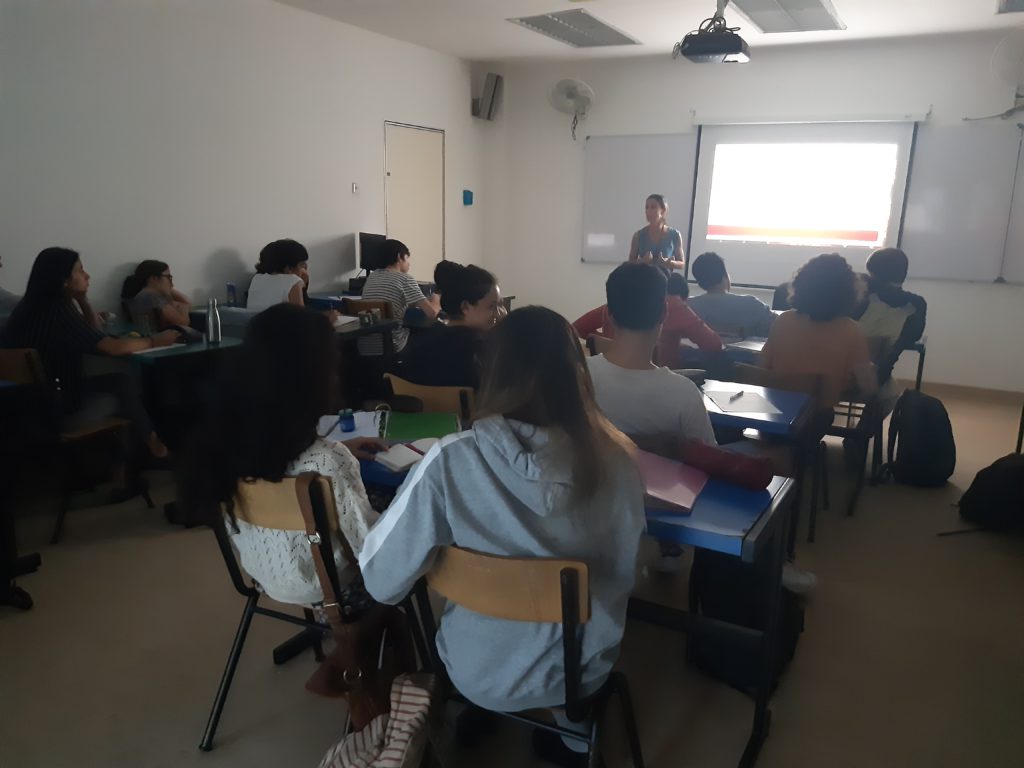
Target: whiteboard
{"points": [[958, 203], [619, 173]]}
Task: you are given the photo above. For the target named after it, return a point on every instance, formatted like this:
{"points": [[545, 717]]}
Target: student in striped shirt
{"points": [[391, 282]]}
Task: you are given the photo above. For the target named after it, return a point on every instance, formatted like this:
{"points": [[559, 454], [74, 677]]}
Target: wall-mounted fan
{"points": [[574, 97], [1008, 67]]}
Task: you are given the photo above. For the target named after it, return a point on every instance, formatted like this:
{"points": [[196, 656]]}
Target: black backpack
{"points": [[729, 590], [921, 447], [996, 497]]}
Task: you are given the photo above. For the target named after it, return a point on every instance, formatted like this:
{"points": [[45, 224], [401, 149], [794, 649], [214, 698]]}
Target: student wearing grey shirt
{"points": [[728, 313]]}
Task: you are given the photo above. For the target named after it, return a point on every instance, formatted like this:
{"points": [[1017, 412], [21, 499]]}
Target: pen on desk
{"points": [[737, 396], [333, 427]]}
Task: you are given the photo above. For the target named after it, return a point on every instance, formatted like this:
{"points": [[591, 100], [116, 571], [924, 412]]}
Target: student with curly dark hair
{"points": [[817, 335]]}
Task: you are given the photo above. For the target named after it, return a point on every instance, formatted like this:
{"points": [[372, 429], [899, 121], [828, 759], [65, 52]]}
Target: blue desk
{"points": [[186, 350], [794, 407]]}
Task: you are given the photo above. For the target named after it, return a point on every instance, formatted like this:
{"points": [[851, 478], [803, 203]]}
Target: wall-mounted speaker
{"points": [[486, 105]]}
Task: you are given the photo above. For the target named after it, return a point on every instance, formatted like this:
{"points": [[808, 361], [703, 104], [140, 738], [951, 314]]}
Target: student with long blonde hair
{"points": [[541, 474]]}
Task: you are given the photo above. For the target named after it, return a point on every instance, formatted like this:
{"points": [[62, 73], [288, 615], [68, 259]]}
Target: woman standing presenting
{"points": [[658, 243]]}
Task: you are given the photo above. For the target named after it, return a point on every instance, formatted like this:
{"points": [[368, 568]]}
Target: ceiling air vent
{"points": [[1010, 6], [772, 16], [576, 28]]}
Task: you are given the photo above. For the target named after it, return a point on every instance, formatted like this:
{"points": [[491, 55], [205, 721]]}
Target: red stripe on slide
{"points": [[857, 235]]}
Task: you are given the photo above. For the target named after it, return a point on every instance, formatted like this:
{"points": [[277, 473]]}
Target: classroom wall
{"points": [[195, 132], [533, 216]]}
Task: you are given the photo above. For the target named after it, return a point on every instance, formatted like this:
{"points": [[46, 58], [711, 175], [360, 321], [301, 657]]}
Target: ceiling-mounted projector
{"points": [[714, 42]]}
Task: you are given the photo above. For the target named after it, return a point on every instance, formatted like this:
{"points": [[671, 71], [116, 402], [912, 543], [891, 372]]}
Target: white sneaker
{"points": [[798, 581]]}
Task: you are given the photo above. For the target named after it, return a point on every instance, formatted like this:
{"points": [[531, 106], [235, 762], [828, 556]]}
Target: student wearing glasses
{"points": [[149, 297]]}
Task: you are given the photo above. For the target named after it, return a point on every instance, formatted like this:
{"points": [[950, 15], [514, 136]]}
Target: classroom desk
{"points": [[177, 352], [748, 525], [794, 407]]}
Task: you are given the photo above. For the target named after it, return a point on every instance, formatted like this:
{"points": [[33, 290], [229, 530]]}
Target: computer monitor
{"points": [[369, 250]]}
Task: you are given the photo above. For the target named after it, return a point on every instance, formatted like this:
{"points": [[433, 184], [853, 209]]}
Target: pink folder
{"points": [[670, 484]]}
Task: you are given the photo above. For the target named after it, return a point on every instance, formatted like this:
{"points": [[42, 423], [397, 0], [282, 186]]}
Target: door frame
{"points": [[444, 177]]}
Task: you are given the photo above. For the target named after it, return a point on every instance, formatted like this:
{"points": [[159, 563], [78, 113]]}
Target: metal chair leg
{"points": [[621, 686], [229, 672], [812, 519], [593, 750], [824, 475], [65, 503], [859, 483]]}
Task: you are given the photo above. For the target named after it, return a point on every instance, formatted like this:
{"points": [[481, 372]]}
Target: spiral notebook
{"points": [[669, 484]]}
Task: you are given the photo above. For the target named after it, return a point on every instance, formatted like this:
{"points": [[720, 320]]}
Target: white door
{"points": [[414, 193]]}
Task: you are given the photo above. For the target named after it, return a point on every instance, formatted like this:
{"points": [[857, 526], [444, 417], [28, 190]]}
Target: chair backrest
{"points": [[542, 590], [280, 506], [509, 588], [355, 306], [22, 366], [435, 399]]}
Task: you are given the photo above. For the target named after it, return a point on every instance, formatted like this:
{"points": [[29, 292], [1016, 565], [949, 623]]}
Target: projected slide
{"points": [[818, 194]]}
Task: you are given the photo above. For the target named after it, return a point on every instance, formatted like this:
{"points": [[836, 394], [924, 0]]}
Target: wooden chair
{"points": [[435, 399], [808, 450], [23, 367], [355, 306], [543, 590], [277, 506]]}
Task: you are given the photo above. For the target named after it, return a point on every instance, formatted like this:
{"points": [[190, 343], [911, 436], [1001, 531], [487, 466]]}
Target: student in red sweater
{"points": [[680, 323]]}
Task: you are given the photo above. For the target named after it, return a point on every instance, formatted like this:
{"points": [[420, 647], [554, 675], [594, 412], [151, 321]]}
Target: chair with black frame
{"points": [[434, 399], [543, 590], [304, 504], [808, 450], [23, 367], [858, 420]]}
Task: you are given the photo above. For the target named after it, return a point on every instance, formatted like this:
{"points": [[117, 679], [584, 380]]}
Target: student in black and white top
{"points": [[391, 282], [445, 355]]}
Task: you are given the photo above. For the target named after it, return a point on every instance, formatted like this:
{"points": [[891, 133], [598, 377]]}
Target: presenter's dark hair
{"points": [[889, 265], [660, 200], [265, 412], [280, 255], [708, 270], [636, 296], [390, 252], [825, 288]]}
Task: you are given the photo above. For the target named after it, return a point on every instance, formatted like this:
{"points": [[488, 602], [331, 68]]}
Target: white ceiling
{"points": [[477, 30]]}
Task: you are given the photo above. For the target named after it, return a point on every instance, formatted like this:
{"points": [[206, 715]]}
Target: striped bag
{"points": [[394, 740]]}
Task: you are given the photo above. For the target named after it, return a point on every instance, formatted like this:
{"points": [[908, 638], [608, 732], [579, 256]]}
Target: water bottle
{"points": [[212, 323], [232, 293], [347, 420]]}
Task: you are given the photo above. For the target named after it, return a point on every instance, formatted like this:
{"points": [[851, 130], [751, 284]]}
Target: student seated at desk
{"points": [[393, 283], [282, 276], [818, 336], [150, 299], [637, 396], [541, 474], [894, 316], [727, 312], [56, 319], [445, 355], [263, 425], [680, 323]]}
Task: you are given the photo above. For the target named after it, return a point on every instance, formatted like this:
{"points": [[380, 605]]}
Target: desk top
{"points": [[354, 331], [151, 357], [793, 407], [726, 518]]}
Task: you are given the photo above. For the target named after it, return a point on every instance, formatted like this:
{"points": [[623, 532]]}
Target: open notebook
{"points": [[669, 484], [399, 458]]}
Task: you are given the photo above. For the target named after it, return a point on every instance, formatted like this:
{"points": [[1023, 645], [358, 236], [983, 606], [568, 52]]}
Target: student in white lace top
{"points": [[264, 425]]}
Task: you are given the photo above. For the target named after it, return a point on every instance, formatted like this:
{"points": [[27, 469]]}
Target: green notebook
{"points": [[406, 427]]}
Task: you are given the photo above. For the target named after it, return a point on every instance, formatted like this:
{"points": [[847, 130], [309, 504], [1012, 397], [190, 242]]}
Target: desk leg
{"points": [[762, 715], [920, 368], [1020, 431]]}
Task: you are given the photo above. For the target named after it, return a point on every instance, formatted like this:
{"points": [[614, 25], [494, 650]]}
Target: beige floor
{"points": [[911, 656]]}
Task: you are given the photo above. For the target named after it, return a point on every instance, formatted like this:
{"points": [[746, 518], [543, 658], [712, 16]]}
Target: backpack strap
{"points": [[888, 469]]}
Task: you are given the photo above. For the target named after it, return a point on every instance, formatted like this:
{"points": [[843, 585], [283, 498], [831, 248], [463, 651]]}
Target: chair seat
{"points": [[93, 430]]}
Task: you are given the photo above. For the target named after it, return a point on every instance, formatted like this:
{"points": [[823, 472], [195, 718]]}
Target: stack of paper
{"points": [[670, 484], [401, 457]]}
